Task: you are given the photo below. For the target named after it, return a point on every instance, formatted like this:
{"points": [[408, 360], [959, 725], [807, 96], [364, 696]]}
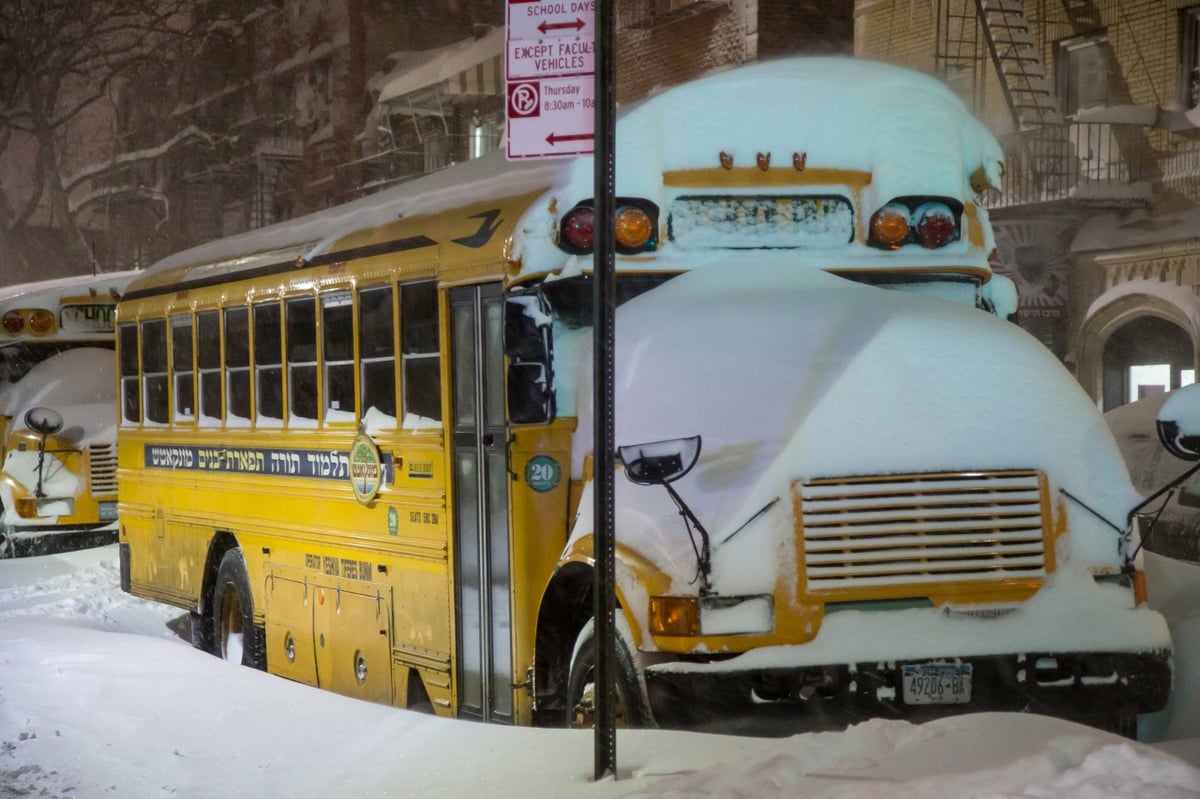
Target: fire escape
{"points": [[1048, 158]]}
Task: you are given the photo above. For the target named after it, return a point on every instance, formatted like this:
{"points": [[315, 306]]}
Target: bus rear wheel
{"points": [[235, 638], [630, 709]]}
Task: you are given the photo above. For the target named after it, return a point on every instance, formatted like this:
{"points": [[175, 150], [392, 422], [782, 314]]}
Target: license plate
{"points": [[936, 683], [108, 511]]}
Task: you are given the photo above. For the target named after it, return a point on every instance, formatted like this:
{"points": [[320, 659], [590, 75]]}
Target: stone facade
{"points": [[280, 113], [1097, 221]]}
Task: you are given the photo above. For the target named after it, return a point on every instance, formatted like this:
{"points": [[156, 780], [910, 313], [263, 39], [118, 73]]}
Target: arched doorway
{"points": [[1146, 355]]}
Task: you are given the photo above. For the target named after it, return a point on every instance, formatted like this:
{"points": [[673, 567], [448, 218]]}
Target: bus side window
{"points": [[302, 359], [237, 367], [377, 350], [268, 366], [208, 360], [420, 360], [131, 406], [182, 369], [154, 370], [337, 341]]}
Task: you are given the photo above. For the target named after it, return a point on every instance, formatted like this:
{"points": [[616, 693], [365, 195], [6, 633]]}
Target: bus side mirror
{"points": [[1179, 423], [528, 348], [660, 462], [529, 398], [44, 421], [526, 329]]}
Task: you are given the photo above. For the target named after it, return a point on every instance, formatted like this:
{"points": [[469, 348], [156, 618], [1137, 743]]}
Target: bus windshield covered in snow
{"points": [[58, 487], [357, 446]]}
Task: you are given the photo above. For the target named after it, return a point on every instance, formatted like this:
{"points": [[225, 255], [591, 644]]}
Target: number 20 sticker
{"points": [[542, 473]]}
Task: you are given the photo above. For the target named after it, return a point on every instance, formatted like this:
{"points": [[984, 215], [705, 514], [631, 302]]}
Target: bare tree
{"points": [[59, 62]]}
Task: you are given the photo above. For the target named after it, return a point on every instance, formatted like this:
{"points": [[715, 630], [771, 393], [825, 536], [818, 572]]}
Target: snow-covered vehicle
{"points": [[57, 340], [58, 487], [358, 446]]}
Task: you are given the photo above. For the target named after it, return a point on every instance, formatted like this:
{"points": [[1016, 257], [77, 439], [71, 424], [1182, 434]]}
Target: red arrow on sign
{"points": [[554, 138], [555, 26]]}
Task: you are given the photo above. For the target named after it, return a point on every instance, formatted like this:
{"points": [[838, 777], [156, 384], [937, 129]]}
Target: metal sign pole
{"points": [[603, 346]]}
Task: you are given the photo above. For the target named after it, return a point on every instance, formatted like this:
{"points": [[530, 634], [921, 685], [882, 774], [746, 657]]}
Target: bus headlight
{"points": [[682, 616], [931, 222], [635, 227]]}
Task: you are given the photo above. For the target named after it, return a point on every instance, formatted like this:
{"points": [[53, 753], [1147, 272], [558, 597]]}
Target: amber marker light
{"points": [[674, 615], [889, 226], [1140, 595], [13, 322], [41, 321], [632, 227]]}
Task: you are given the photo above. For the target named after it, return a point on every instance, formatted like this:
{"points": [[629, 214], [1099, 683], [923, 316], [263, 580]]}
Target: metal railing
{"points": [[1097, 163]]}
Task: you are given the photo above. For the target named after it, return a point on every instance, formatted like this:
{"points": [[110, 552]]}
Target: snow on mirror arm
{"points": [[662, 463]]}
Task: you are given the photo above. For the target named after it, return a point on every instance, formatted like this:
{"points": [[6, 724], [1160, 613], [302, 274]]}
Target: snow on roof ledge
{"points": [[440, 64]]}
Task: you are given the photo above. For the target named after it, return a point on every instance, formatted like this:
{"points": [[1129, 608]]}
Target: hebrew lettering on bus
{"points": [[324, 464]]}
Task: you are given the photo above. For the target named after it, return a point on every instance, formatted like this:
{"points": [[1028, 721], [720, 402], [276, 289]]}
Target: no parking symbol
{"points": [[524, 100]]}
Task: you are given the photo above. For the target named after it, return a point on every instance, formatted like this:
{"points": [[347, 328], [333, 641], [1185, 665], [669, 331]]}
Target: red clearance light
{"points": [[41, 321], [579, 229], [13, 322], [889, 226], [935, 225], [632, 227]]}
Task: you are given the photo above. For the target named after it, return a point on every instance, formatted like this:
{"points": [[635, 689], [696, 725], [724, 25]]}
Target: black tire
{"points": [[234, 636], [630, 710]]}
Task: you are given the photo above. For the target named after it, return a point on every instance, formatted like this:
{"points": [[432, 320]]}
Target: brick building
{"points": [[1095, 103], [295, 106]]}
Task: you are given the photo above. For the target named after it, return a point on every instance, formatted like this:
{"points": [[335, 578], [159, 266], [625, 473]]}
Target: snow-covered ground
{"points": [[99, 697]]}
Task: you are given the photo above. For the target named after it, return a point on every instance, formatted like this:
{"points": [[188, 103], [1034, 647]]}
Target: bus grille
{"points": [[103, 461], [879, 532]]}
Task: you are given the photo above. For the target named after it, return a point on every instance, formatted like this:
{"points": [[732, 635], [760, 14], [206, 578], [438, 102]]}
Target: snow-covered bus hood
{"points": [[80, 384], [906, 130], [789, 375]]}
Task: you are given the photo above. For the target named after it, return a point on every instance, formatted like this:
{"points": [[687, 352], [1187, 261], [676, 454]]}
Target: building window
{"points": [[1189, 57], [1082, 72]]}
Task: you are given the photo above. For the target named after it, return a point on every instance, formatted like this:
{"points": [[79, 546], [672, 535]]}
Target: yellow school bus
{"points": [[58, 483], [357, 447]]}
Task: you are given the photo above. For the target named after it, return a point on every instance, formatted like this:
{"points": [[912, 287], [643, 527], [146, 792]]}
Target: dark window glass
{"points": [[268, 364], [127, 342], [208, 358], [302, 358], [154, 370], [182, 368], [337, 326], [237, 365], [421, 380], [377, 350]]}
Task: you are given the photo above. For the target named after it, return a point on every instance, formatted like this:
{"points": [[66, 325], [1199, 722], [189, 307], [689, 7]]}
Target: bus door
{"points": [[482, 575]]}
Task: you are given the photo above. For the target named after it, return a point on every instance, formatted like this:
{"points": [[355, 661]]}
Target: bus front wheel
{"points": [[235, 638], [630, 708]]}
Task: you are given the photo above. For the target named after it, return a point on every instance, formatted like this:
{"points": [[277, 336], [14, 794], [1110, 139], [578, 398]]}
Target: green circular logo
{"points": [[542, 473], [393, 521], [366, 469]]}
